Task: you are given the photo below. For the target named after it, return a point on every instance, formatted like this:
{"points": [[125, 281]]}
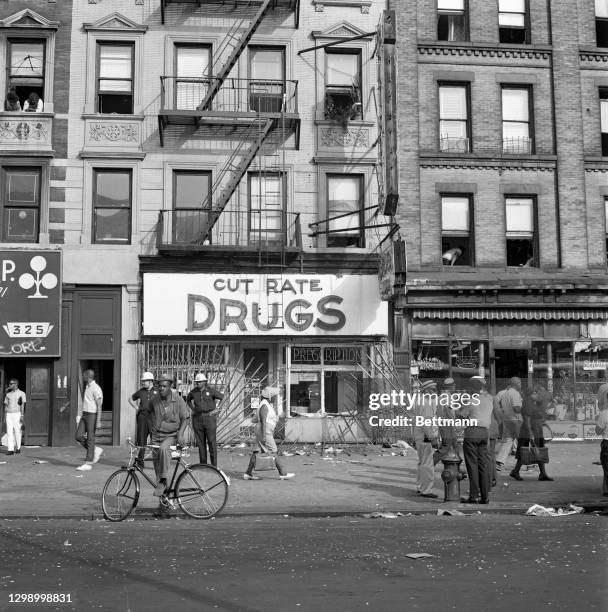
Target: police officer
{"points": [[201, 401], [142, 402]]}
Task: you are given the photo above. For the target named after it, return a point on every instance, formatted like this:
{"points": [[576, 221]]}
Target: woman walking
{"points": [[267, 420]]}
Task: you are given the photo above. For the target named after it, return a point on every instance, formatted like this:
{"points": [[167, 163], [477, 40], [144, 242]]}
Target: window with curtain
{"points": [[115, 78], [191, 67], [604, 120], [606, 224], [516, 123], [343, 85], [112, 206], [513, 21], [191, 205], [454, 127], [344, 200], [452, 20], [601, 23], [20, 212], [267, 79], [26, 68], [456, 239], [521, 233], [266, 207]]}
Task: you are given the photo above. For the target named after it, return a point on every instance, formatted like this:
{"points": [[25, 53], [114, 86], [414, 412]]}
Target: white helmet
{"points": [[147, 376], [200, 377]]}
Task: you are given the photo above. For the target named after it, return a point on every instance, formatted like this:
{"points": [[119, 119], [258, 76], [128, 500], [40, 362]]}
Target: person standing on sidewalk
{"points": [[92, 401], [510, 403], [201, 400], [14, 408], [447, 433], [476, 443], [141, 400], [427, 438], [267, 420], [601, 429]]}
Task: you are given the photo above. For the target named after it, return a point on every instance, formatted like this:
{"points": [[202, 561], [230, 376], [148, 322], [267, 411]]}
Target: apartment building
{"points": [[202, 186], [502, 114]]}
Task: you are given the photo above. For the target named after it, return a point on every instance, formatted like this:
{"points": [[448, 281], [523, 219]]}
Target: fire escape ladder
{"points": [[236, 172], [235, 53]]}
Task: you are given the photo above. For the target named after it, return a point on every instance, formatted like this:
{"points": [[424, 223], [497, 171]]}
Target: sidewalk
{"points": [[364, 479]]}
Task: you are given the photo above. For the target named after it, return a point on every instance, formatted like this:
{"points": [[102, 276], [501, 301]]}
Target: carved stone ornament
{"points": [[336, 137], [24, 131], [113, 132]]}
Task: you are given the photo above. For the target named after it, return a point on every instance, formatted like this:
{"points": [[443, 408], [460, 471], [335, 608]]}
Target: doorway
{"points": [[509, 363], [104, 377]]}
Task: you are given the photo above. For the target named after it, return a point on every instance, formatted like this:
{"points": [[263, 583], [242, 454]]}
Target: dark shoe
{"points": [[18, 451], [545, 477], [484, 501], [10, 453], [515, 475], [493, 483], [499, 466], [160, 488], [469, 501], [430, 495]]}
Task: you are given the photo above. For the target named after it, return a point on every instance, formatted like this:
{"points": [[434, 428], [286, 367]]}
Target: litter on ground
{"points": [[538, 510]]}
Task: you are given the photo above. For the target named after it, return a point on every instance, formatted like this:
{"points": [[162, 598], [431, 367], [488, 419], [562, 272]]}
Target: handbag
{"points": [[189, 436], [532, 454], [264, 462]]}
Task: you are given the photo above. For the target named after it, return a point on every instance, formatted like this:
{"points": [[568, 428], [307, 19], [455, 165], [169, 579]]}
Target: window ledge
{"points": [[113, 116], [24, 115], [437, 47]]}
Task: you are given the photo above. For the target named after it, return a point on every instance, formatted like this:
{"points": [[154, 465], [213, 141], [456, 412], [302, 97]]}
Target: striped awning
{"points": [[517, 314]]}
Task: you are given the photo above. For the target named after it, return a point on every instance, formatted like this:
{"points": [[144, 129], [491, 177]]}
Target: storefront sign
{"points": [[430, 364], [30, 303], [386, 270], [263, 305], [590, 364]]}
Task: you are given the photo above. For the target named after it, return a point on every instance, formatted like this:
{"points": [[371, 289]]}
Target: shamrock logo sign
{"points": [[48, 280]]}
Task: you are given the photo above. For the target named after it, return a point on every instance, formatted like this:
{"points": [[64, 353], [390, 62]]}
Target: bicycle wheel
{"points": [[120, 495], [201, 491]]}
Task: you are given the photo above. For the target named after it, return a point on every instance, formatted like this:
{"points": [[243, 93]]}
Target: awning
{"points": [[517, 314]]}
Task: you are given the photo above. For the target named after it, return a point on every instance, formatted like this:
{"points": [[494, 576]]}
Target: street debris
{"points": [[39, 461], [67, 543], [419, 556], [300, 452], [388, 515], [538, 510], [450, 513]]}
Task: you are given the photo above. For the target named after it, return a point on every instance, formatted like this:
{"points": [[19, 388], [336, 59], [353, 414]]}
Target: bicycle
{"points": [[201, 491]]}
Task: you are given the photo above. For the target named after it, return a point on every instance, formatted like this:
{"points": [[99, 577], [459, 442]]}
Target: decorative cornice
{"points": [[593, 55], [543, 165], [342, 29], [534, 53], [363, 4], [115, 22], [28, 19]]}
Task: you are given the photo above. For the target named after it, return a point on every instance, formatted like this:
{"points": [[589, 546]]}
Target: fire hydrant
{"points": [[451, 476]]}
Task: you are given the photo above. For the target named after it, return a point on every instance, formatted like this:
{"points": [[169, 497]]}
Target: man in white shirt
{"points": [[14, 408], [601, 429], [92, 401], [509, 402], [427, 438]]}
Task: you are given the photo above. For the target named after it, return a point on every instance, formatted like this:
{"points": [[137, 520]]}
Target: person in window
{"points": [[33, 104], [451, 256], [12, 103]]}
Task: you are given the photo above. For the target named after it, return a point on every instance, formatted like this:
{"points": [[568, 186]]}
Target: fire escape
{"points": [[258, 117]]}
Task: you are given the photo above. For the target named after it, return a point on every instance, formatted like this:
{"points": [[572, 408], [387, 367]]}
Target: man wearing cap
{"points": [[427, 437], [201, 401], [142, 402], [169, 419]]}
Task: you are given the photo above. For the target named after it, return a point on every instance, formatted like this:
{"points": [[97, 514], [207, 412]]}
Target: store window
{"points": [[521, 232], [591, 364], [115, 78], [553, 373], [430, 359], [26, 60], [20, 211], [452, 20], [467, 358], [112, 197], [513, 22], [456, 230], [191, 65], [326, 380]]}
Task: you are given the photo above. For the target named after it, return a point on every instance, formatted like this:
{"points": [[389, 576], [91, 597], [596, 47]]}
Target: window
{"points": [[192, 63], [604, 120], [452, 20], [521, 238], [111, 206], [267, 79], [344, 200], [601, 23], [606, 224], [20, 211], [26, 59], [115, 78], [454, 126], [456, 234], [516, 124], [513, 22], [343, 85], [266, 208], [191, 203]]}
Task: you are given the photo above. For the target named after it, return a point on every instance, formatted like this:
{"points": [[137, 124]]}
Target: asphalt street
{"points": [[478, 562]]}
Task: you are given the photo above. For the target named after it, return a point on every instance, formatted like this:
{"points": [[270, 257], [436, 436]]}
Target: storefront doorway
{"points": [[509, 363]]}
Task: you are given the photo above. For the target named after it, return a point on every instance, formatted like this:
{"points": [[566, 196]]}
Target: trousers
{"points": [[426, 467], [509, 434], [13, 430], [85, 433], [604, 462], [161, 456], [476, 458], [205, 428], [142, 431]]}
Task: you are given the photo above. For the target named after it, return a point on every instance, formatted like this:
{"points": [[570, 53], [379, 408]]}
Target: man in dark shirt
{"points": [[142, 402], [201, 401]]}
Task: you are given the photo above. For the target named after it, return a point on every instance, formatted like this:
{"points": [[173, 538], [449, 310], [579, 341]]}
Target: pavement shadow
{"points": [[392, 490]]}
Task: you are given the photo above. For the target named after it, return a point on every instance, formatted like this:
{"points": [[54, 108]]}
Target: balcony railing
{"points": [[450, 144], [521, 145], [266, 229], [235, 96]]}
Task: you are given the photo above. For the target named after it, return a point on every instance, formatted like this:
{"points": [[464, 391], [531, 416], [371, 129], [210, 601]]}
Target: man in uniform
{"points": [[142, 402], [201, 401]]}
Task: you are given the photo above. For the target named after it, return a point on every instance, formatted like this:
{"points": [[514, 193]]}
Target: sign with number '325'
{"points": [[30, 303]]}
